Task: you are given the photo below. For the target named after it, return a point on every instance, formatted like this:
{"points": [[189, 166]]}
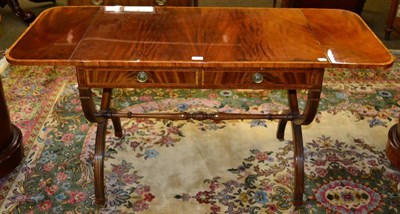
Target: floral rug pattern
{"points": [[344, 173], [30, 94]]}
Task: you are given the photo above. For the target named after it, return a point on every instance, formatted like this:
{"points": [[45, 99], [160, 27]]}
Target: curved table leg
{"points": [[99, 186], [90, 112], [311, 108], [308, 114], [305, 118], [298, 151], [99, 163], [298, 165], [89, 108]]}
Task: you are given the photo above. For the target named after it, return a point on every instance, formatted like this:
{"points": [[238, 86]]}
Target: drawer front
{"points": [[132, 2], [126, 78], [263, 79], [164, 78]]}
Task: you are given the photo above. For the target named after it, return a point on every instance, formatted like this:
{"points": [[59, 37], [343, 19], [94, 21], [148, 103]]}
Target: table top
{"points": [[199, 37]]}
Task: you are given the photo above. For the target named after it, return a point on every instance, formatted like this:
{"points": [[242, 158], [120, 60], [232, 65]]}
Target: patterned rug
{"points": [[163, 166]]}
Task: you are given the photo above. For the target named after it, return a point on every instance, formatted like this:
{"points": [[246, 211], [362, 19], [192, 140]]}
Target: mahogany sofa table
{"points": [[187, 47]]}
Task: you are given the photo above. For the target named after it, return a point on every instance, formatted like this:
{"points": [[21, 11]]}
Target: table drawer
{"points": [[132, 2], [263, 79], [124, 78]]}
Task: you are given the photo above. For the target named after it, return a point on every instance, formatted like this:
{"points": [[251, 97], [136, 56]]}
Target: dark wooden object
{"points": [[393, 146], [11, 149], [26, 16], [393, 22], [189, 47], [352, 5]]}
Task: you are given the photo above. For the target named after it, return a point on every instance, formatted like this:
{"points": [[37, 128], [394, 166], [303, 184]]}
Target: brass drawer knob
{"points": [[258, 78], [160, 2], [142, 77]]}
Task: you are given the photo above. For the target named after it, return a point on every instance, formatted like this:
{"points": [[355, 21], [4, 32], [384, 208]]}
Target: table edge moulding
{"points": [[199, 47]]}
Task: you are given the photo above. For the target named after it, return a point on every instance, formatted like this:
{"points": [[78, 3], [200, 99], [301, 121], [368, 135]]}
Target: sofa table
{"points": [[195, 47]]}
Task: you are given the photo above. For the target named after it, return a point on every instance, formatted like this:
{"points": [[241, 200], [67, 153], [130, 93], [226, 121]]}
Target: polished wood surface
{"points": [[170, 37], [134, 2], [188, 47]]}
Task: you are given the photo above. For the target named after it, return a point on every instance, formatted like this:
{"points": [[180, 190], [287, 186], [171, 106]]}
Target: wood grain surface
{"points": [[221, 37]]}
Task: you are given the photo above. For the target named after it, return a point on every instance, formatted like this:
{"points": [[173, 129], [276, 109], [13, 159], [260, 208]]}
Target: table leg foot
{"points": [[12, 156], [298, 162], [99, 186], [89, 109], [297, 203]]}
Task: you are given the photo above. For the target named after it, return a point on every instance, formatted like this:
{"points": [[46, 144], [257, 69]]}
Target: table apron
{"points": [[254, 78]]}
